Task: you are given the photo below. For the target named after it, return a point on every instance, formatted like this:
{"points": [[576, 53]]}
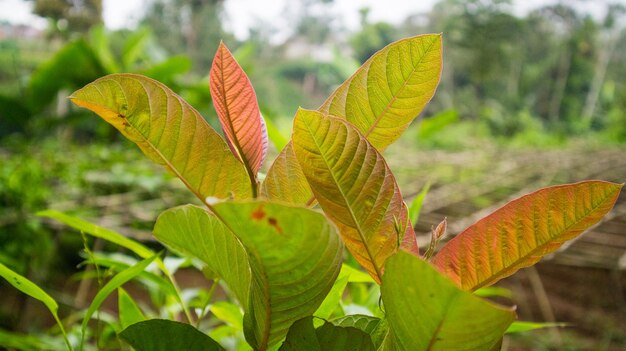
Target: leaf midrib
{"points": [[521, 260]]}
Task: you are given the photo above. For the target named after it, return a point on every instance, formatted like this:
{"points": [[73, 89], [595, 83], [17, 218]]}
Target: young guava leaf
{"points": [[295, 256], [518, 234], [238, 110], [426, 311], [381, 99], [169, 131], [194, 231], [166, 335], [303, 336], [354, 187]]}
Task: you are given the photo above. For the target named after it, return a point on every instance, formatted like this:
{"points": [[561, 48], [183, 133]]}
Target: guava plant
{"points": [[278, 242]]}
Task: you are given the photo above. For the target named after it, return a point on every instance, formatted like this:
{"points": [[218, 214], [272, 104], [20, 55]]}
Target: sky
{"points": [[240, 15]]}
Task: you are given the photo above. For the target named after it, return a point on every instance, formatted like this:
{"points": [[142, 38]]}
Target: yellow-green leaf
{"points": [[390, 89], [380, 99], [427, 312], [354, 187], [518, 234], [169, 131]]}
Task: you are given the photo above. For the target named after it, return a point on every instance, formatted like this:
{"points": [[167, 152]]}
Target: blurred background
{"points": [[533, 93]]}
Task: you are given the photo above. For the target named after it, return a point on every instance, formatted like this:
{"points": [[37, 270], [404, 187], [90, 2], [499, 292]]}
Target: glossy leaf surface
{"points": [[518, 234], [354, 187], [390, 89], [303, 336], [295, 256], [238, 110], [381, 99], [194, 231], [169, 131], [426, 311], [166, 335]]}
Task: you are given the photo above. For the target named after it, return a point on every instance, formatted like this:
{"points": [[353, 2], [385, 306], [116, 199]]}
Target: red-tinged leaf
{"points": [[518, 234], [354, 187], [238, 110]]}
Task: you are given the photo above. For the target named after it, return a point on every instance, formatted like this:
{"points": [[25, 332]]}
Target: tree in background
{"points": [[372, 37], [191, 27], [69, 16]]}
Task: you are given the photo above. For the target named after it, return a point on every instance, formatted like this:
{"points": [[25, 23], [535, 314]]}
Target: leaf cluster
{"points": [[277, 241]]}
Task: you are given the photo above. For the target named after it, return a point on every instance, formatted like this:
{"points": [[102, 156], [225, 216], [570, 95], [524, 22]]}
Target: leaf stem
{"points": [[207, 301]]}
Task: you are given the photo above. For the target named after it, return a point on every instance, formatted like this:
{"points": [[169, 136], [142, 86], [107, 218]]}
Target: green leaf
{"points": [[356, 276], [434, 124], [416, 204], [295, 256], [228, 313], [274, 134], [117, 281], [169, 131], [518, 234], [194, 231], [118, 239], [98, 232], [380, 100], [166, 335], [522, 326], [129, 312], [134, 46], [166, 70], [31, 289], [354, 187], [426, 311], [281, 261], [494, 291], [73, 65], [303, 336], [332, 300], [29, 342], [362, 322]]}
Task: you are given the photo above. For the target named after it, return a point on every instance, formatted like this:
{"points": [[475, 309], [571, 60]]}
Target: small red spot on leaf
{"points": [[274, 223], [258, 214]]}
